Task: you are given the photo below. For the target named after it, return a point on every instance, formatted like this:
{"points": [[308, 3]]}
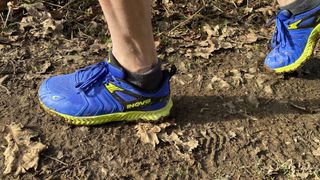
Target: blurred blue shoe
{"points": [[294, 40]]}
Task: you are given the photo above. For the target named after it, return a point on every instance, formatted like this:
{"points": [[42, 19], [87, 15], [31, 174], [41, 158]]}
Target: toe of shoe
{"points": [[54, 95], [274, 62], [278, 58]]}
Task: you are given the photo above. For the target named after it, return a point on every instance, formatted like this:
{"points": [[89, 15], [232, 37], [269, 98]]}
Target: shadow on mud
{"points": [[310, 71], [199, 110]]}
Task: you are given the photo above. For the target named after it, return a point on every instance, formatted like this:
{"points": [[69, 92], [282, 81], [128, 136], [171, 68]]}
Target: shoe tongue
{"points": [[115, 68], [284, 15]]}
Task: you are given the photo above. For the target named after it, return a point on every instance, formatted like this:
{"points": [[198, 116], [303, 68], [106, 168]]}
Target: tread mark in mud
{"points": [[214, 144]]}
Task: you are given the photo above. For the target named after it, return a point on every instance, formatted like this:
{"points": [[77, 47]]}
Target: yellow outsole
{"points": [[121, 116], [306, 55]]}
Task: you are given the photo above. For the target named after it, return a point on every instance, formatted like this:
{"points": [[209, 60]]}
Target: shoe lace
{"points": [[100, 70], [281, 33]]}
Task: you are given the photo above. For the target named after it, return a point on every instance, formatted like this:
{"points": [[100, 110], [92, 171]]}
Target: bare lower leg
{"points": [[130, 26], [285, 2]]}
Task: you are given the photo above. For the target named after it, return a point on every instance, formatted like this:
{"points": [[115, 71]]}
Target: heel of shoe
{"points": [[152, 115]]}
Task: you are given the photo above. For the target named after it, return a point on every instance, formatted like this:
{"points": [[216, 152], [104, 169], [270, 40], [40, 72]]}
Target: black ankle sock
{"points": [[148, 81], [300, 6]]}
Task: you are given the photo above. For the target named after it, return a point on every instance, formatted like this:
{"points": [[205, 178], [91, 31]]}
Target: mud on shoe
{"points": [[294, 40], [99, 94]]}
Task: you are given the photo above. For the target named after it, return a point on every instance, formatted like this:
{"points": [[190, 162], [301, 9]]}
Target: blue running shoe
{"points": [[294, 40], [99, 94]]}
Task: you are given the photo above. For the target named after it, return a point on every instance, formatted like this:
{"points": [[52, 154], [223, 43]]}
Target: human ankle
{"points": [[300, 6], [135, 61], [148, 78]]}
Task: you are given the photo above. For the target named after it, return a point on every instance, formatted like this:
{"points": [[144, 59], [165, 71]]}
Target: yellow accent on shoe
{"points": [[294, 25], [112, 88], [121, 116], [307, 53], [138, 104], [109, 58]]}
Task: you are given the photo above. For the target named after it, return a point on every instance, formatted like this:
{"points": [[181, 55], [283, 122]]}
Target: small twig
{"points": [[70, 165], [204, 3], [2, 86], [1, 17], [306, 109], [187, 20], [298, 107], [235, 5], [66, 5], [63, 7], [55, 159], [9, 14], [217, 8]]}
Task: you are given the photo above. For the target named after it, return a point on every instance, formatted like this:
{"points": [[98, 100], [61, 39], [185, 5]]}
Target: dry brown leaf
{"points": [[237, 77], [239, 2], [316, 152], [249, 38], [266, 11], [148, 133], [2, 79], [43, 69], [36, 10], [187, 157], [222, 37], [22, 153], [219, 82], [189, 145], [27, 22], [268, 90], [38, 21], [218, 38], [184, 148], [51, 26]]}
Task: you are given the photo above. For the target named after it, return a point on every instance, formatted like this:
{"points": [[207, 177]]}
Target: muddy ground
{"points": [[231, 118]]}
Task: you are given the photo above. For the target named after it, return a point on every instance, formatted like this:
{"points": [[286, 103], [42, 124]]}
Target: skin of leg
{"points": [[285, 2], [129, 23]]}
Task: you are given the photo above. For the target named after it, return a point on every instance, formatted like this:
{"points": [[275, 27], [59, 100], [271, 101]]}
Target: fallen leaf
{"points": [[2, 79], [316, 152], [27, 22], [221, 38], [43, 69], [188, 145], [36, 10], [51, 26], [237, 77], [239, 2], [187, 157], [249, 38], [22, 153], [268, 90], [148, 133], [261, 79], [232, 135], [266, 11], [220, 83]]}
